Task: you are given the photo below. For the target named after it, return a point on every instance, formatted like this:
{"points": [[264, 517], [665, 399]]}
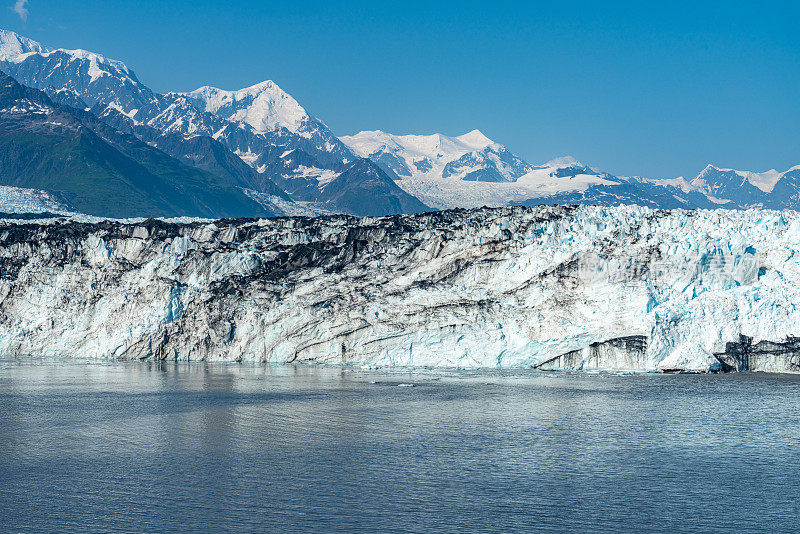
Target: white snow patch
{"points": [[264, 106]]}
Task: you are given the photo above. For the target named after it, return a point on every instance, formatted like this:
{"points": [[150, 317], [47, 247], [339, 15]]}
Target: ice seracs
{"points": [[27, 200], [550, 287]]}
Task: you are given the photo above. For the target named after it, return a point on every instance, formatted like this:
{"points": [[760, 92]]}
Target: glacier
{"points": [[549, 287], [27, 200]]}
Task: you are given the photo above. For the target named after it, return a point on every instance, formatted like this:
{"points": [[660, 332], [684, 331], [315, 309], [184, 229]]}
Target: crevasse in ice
{"points": [[547, 287]]}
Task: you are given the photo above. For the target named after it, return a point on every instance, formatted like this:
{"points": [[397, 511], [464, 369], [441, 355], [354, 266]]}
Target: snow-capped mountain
{"points": [[712, 187], [264, 106], [440, 170], [268, 109], [92, 77], [13, 45], [469, 157], [737, 189], [471, 170], [560, 181], [73, 155], [293, 151], [272, 133], [262, 124], [786, 193], [743, 188]]}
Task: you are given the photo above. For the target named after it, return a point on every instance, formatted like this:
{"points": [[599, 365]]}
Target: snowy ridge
{"points": [[175, 114], [563, 175], [16, 48], [264, 106], [558, 176], [90, 77], [563, 162], [432, 146], [471, 171], [678, 183], [546, 287], [278, 138], [471, 156], [13, 45], [567, 180], [765, 181]]}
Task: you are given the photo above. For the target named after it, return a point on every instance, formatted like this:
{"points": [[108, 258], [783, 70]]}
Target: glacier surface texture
{"points": [[551, 287]]}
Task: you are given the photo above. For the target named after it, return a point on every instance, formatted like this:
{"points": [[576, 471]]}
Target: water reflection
{"points": [[175, 446]]}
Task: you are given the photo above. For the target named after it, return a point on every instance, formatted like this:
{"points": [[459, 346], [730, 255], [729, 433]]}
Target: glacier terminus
{"points": [[548, 287]]}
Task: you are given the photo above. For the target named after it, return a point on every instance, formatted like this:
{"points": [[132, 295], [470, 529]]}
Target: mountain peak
{"points": [[16, 49], [266, 85], [475, 139], [13, 45], [765, 181], [471, 156], [264, 106]]}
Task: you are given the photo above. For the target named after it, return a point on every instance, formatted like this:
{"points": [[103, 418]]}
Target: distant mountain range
{"points": [[469, 157], [291, 157], [90, 136], [438, 170]]}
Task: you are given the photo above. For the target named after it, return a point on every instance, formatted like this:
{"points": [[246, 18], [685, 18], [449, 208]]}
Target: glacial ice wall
{"points": [[552, 287]]}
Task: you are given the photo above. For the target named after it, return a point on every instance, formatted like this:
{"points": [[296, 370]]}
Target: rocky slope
{"points": [[289, 150], [71, 154], [547, 287]]}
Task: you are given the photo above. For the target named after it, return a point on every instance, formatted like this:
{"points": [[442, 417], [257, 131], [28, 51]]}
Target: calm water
{"points": [[148, 447]]}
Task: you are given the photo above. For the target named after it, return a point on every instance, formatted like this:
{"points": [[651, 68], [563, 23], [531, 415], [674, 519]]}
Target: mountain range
{"points": [[82, 128], [100, 171], [294, 163]]}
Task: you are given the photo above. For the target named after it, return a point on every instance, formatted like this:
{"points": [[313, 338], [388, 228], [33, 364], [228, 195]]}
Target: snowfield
{"points": [[547, 287], [444, 193], [470, 157], [264, 106]]}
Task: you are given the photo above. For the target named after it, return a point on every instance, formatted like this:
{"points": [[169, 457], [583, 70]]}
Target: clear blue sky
{"points": [[656, 89]]}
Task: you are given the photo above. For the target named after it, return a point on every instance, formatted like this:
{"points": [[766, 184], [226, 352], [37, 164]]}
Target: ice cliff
{"points": [[547, 287]]}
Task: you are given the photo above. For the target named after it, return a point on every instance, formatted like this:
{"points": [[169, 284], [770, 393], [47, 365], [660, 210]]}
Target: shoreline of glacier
{"points": [[550, 287]]}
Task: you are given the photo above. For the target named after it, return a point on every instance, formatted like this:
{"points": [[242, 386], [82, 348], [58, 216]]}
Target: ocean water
{"points": [[194, 447]]}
